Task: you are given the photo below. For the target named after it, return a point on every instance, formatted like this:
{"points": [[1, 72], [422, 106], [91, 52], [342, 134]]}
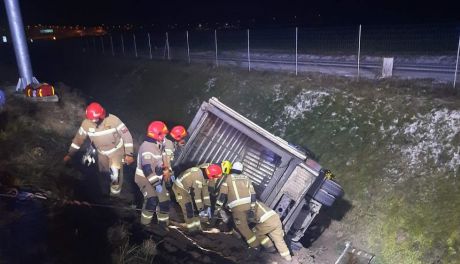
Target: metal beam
{"points": [[20, 44]]}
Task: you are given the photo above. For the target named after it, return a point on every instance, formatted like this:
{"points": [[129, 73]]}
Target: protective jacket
{"points": [[193, 182], [113, 141], [238, 195], [108, 137], [191, 192], [149, 177]]}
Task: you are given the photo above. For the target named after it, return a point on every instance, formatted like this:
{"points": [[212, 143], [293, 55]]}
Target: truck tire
{"points": [[332, 188], [324, 198]]}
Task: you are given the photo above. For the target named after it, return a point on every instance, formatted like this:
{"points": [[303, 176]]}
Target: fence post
{"points": [[102, 45], [87, 45], [359, 47], [135, 46], [188, 47], [122, 45], [94, 45], [150, 45], [456, 64], [111, 46], [296, 40], [215, 42], [249, 55], [167, 45], [83, 47]]}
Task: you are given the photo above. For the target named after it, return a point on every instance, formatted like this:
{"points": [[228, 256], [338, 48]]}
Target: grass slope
{"points": [[393, 144]]}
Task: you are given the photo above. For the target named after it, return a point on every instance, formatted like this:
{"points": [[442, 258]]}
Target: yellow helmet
{"points": [[226, 166]]}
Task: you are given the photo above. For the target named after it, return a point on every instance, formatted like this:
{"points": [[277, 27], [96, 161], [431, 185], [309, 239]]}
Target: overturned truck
{"points": [[284, 176]]}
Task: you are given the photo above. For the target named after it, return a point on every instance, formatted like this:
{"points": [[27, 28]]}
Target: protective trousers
{"points": [[186, 204], [153, 197], [272, 230], [164, 202], [240, 217], [113, 166]]}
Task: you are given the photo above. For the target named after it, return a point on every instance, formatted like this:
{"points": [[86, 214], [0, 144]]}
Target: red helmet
{"points": [[157, 130], [178, 133], [95, 112], [214, 171]]}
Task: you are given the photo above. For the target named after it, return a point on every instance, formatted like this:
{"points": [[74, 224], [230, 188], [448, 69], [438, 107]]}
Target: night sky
{"points": [[321, 12]]}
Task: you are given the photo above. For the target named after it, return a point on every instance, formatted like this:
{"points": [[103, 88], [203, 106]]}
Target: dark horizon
{"points": [[255, 13]]}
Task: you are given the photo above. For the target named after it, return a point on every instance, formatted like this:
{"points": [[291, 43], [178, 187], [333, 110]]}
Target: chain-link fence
{"points": [[416, 51]]}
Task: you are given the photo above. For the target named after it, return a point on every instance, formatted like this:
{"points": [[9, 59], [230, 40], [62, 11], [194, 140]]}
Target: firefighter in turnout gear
{"points": [[153, 172], [269, 230], [214, 184], [112, 140], [178, 133], [238, 196], [192, 194]]}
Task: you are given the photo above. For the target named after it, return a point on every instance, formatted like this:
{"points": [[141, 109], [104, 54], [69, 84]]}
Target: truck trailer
{"points": [[285, 176]]}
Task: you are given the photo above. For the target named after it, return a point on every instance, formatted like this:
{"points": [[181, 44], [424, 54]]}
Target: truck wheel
{"points": [[324, 198], [332, 188]]}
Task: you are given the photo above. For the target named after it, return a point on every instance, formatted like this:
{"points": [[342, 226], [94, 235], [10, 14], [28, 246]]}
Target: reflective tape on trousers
{"points": [[265, 241], [252, 239], [146, 216], [267, 215], [165, 218]]}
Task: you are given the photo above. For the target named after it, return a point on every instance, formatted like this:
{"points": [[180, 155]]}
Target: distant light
{"points": [[31, 41], [54, 38], [46, 31], [4, 39]]}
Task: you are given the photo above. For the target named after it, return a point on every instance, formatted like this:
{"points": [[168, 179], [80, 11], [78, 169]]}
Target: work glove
{"points": [[225, 217], [159, 188], [206, 213], [251, 214]]}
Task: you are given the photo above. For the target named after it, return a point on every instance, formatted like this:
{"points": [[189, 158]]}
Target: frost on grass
{"points": [[279, 93], [303, 103], [432, 138], [193, 105], [210, 84]]}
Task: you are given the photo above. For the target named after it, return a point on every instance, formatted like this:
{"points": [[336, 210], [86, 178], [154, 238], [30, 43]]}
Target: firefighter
{"points": [[214, 184], [269, 230], [112, 140], [152, 174], [237, 195], [191, 192], [179, 133]]}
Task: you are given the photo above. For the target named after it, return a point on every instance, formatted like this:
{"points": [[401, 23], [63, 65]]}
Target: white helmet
{"points": [[237, 166]]}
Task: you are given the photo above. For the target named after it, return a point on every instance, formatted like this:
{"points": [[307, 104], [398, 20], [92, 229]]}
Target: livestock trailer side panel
{"points": [[283, 176]]}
